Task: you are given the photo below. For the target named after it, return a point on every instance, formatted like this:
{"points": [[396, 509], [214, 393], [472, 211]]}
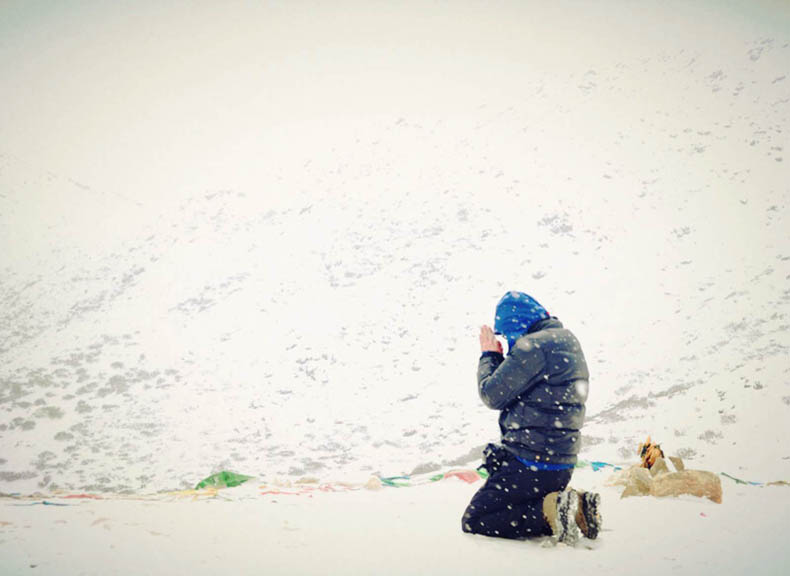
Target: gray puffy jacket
{"points": [[540, 387]]}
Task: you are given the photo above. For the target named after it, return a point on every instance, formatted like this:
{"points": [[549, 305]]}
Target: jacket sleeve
{"points": [[501, 380]]}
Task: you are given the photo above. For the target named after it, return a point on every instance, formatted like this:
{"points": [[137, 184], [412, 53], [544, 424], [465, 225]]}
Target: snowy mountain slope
{"points": [[280, 267]]}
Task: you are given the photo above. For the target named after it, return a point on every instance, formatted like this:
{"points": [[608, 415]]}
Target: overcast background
{"points": [[263, 236]]}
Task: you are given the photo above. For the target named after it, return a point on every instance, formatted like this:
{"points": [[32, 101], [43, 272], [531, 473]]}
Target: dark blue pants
{"points": [[510, 503]]}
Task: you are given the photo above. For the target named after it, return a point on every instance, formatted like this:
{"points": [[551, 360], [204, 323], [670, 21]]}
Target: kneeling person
{"points": [[540, 389]]}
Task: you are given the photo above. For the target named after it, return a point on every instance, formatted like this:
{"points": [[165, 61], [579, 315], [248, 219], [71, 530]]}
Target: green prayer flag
{"points": [[223, 479]]}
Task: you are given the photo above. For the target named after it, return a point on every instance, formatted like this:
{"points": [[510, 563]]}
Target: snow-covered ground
{"points": [[262, 237], [396, 531]]}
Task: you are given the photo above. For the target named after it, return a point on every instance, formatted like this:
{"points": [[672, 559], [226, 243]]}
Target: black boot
{"points": [[567, 529], [589, 519]]}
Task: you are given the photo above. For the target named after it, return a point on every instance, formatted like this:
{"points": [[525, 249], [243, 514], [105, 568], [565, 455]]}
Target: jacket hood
{"points": [[516, 313]]}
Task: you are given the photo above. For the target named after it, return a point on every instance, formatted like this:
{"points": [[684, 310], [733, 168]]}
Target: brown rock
{"points": [[638, 483], [620, 478], [694, 482], [659, 467], [677, 462]]}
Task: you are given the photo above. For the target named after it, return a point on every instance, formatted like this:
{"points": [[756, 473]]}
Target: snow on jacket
{"points": [[540, 388]]}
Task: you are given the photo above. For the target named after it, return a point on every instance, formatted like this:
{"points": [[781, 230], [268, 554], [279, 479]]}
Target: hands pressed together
{"points": [[488, 341]]}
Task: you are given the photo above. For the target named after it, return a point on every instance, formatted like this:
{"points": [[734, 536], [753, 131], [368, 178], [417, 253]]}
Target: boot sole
{"points": [[591, 504], [567, 503]]}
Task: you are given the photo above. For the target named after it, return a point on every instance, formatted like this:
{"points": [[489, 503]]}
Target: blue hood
{"points": [[516, 312]]}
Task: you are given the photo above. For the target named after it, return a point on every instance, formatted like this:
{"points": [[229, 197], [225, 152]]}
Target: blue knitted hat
{"points": [[516, 312]]}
